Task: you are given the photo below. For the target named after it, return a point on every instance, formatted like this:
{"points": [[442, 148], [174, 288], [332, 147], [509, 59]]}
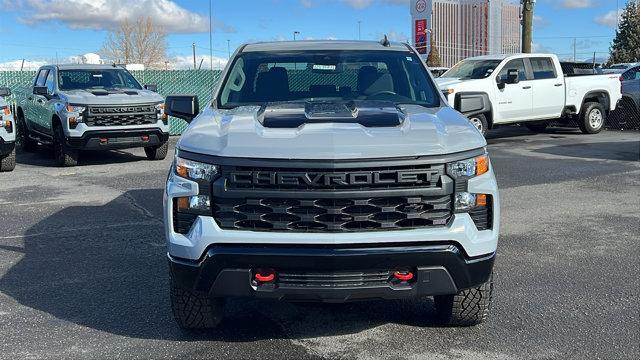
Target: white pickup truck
{"points": [[530, 88]]}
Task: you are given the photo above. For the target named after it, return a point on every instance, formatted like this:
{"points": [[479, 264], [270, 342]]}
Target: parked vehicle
{"points": [[354, 181], [630, 79], [7, 134], [529, 89], [438, 71], [90, 107]]}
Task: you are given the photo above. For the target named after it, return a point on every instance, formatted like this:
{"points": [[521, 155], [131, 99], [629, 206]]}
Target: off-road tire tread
{"points": [[69, 156], [28, 145], [466, 308], [157, 152], [8, 162], [195, 310]]}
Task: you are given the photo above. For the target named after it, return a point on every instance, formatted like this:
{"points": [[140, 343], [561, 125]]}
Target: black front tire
{"points": [[8, 162], [537, 126], [157, 152], [466, 308], [23, 141], [593, 116], [194, 310], [480, 122], [64, 156]]}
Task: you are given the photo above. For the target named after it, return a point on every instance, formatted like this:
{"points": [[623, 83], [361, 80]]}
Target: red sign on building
{"points": [[421, 36]]}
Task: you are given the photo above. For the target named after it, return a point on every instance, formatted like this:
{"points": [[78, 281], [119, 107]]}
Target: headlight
{"points": [[194, 170], [74, 115], [465, 169], [77, 109]]}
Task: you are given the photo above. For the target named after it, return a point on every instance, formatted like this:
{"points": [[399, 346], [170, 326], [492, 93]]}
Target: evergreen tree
{"points": [[626, 44], [433, 59]]}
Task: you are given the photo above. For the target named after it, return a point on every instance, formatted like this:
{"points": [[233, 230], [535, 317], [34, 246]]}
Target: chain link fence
{"points": [[202, 83]]}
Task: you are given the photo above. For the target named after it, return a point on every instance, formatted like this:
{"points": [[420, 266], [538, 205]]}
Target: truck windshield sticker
{"points": [[324, 67]]}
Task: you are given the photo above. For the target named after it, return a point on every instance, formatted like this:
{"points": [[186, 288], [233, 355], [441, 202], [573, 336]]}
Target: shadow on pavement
{"points": [[43, 156], [621, 151], [104, 267]]}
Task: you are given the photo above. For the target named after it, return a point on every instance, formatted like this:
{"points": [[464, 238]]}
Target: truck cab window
{"points": [[50, 83], [42, 77], [517, 64], [542, 68]]}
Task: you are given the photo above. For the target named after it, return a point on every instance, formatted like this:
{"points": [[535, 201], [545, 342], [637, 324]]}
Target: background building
{"points": [[464, 28]]}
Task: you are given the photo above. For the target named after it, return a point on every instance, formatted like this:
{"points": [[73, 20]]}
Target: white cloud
{"points": [[539, 48], [16, 65], [576, 4], [307, 3], [107, 14], [609, 19]]}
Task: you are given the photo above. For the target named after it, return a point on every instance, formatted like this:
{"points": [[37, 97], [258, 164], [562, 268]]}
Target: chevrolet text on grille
{"points": [[101, 110], [333, 178]]}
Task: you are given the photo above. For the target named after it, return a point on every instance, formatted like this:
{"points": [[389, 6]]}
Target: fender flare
{"points": [[597, 94], [472, 103]]}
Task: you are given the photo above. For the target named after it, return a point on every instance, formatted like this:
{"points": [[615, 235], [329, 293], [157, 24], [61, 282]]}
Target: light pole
{"points": [[359, 37], [294, 35], [228, 50]]}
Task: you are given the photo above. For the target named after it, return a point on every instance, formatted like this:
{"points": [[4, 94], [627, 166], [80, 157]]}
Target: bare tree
{"points": [[139, 42]]}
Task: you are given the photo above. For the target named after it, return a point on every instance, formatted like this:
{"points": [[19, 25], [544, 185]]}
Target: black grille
{"points": [[334, 280], [121, 115], [332, 215], [482, 216]]}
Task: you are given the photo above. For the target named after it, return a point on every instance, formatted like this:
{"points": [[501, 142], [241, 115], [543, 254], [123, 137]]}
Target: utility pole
{"points": [[210, 38], [228, 50], [527, 24], [193, 46], [359, 34], [574, 49], [294, 35]]}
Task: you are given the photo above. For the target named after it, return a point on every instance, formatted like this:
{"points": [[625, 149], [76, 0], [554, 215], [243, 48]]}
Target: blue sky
{"points": [[40, 29]]}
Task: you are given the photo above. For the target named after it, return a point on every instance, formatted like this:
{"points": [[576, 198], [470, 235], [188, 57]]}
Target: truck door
{"points": [[514, 102], [548, 89], [32, 106], [43, 104]]}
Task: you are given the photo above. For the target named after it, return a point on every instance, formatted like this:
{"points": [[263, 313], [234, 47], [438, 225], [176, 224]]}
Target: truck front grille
{"points": [[334, 280], [121, 115], [332, 215]]}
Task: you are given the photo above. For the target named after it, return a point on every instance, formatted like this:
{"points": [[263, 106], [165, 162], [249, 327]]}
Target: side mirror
{"points": [[513, 77], [151, 87], [5, 91], [184, 107], [500, 83], [40, 90]]}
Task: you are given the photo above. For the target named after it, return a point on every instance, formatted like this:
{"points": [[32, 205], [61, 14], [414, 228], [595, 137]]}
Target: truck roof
{"points": [[323, 45], [83, 66], [504, 56]]}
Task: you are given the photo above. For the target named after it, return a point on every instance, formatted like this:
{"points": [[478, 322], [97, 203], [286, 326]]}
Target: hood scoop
{"points": [[109, 92], [365, 113]]}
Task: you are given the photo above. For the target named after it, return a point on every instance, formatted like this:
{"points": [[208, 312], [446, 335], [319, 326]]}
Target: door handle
{"points": [[526, 87], [40, 101], [558, 85], [30, 98]]}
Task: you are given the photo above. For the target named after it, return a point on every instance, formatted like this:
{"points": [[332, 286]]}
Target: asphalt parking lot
{"points": [[83, 271]]}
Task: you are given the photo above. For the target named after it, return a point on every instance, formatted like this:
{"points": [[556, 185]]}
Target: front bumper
{"points": [[227, 271], [6, 147], [118, 139]]}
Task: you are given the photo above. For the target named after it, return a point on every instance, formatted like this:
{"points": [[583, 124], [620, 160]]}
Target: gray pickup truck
{"points": [[90, 107], [7, 134]]}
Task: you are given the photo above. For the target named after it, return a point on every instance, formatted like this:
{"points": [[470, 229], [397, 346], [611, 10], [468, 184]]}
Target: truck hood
{"points": [[240, 133], [97, 97], [454, 83]]}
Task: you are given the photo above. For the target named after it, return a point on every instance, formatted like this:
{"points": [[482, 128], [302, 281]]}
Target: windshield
{"points": [[96, 79], [258, 78], [472, 69]]}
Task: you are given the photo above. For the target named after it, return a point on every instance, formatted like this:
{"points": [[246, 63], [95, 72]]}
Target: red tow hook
{"points": [[403, 275], [265, 275]]}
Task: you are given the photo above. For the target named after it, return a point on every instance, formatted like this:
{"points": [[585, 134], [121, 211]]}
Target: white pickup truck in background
{"points": [[530, 88]]}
